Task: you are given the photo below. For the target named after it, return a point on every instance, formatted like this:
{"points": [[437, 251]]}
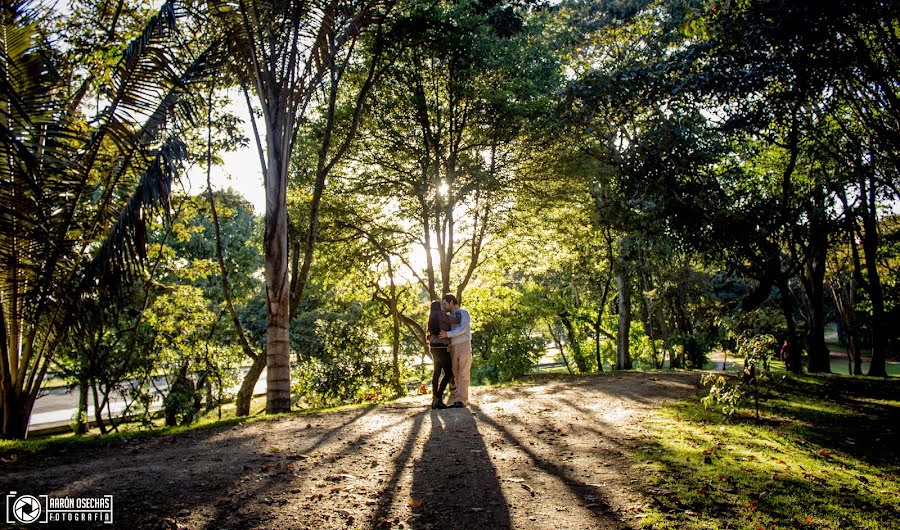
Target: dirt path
{"points": [[548, 454]]}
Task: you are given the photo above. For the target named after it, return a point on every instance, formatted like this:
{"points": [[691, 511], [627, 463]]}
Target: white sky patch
{"points": [[240, 169]]}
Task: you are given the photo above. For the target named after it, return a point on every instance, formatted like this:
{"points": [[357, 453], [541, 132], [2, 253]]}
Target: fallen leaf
{"points": [[824, 452], [413, 503]]}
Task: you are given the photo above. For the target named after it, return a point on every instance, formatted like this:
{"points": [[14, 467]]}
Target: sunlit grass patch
{"points": [[822, 456]]}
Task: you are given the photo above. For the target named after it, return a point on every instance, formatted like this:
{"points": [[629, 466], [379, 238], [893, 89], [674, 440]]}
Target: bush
{"points": [[179, 404], [503, 351], [731, 393], [342, 362]]}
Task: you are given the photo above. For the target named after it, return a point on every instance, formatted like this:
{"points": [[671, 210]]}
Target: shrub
{"points": [[342, 361], [730, 393]]}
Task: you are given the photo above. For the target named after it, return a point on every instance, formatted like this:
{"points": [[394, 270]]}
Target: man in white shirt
{"points": [[460, 349]]}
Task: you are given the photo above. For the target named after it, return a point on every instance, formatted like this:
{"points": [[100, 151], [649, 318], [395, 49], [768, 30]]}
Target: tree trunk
{"points": [[813, 279], [580, 361], [98, 409], [647, 320], [853, 343], [81, 414], [844, 295], [664, 332], [278, 353], [794, 362], [245, 394], [16, 415], [558, 341], [597, 341], [878, 367], [623, 287], [395, 345]]}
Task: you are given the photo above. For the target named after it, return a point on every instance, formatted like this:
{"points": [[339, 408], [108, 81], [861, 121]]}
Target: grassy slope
{"points": [[824, 455]]}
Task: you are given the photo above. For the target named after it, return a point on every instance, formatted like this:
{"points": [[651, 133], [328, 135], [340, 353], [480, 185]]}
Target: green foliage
{"points": [[339, 359], [694, 348], [756, 379], [504, 345], [723, 391], [179, 403]]}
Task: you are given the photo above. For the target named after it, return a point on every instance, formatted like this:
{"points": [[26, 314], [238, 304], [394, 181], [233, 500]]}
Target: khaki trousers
{"points": [[461, 355]]}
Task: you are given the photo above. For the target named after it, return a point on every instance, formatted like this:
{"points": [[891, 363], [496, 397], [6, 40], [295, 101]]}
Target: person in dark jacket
{"points": [[439, 320]]}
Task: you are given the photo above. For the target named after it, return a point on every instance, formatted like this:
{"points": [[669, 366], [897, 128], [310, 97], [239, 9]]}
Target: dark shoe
{"points": [[457, 405], [438, 405]]}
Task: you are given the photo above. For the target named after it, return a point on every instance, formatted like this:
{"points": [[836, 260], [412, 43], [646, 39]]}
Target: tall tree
{"points": [[289, 52], [442, 137]]}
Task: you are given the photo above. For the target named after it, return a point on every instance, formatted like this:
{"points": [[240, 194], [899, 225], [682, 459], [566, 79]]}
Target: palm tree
{"points": [[76, 187]]}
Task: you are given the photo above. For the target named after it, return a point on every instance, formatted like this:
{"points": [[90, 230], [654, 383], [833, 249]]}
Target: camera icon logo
{"points": [[25, 509]]}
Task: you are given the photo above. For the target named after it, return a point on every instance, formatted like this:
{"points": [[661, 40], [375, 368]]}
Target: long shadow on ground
{"points": [[455, 485]]}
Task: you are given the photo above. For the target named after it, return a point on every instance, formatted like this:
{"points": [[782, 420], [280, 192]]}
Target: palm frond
{"points": [[121, 255]]}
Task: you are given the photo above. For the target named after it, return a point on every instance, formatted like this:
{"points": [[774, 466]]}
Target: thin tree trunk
{"points": [[558, 341], [597, 341], [81, 415], [245, 394], [793, 362], [623, 286], [665, 335], [853, 343], [648, 321], [395, 345], [98, 408]]}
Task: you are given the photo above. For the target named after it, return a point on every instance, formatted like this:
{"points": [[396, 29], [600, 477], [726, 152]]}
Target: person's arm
{"points": [[463, 325]]}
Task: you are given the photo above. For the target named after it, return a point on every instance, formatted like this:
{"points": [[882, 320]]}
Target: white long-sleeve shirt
{"points": [[461, 332]]}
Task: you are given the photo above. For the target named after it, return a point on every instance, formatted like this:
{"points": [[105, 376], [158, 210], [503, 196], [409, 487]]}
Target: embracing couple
{"points": [[450, 339]]}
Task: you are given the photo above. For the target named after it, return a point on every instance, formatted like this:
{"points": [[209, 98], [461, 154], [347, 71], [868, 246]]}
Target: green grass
{"points": [[825, 455]]}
